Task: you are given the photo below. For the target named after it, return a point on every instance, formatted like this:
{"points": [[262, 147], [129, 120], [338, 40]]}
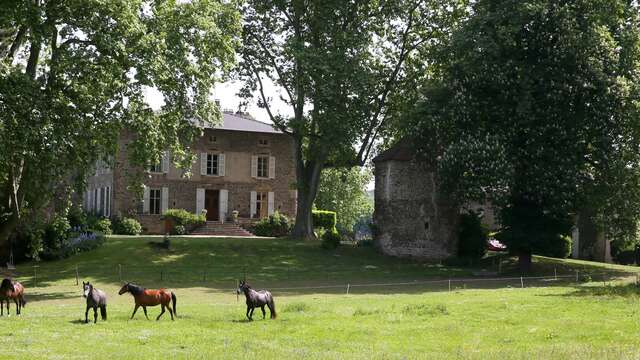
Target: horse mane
{"points": [[135, 289], [6, 284]]}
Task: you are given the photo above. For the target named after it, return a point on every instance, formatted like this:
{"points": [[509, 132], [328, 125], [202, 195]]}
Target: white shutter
{"points": [[108, 202], [99, 202], [165, 200], [87, 200], [104, 201], [272, 167], [254, 166], [224, 205], [203, 163], [165, 162], [199, 201], [145, 200], [254, 197], [221, 165], [270, 203]]}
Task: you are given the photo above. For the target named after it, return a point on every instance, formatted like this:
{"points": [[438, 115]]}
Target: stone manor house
{"points": [[242, 165]]}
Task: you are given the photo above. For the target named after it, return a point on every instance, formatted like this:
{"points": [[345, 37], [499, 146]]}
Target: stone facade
{"points": [[411, 217], [236, 184]]}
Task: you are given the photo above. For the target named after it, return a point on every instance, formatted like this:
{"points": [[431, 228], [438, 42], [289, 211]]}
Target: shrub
{"points": [[275, 225], [179, 230], [77, 217], [626, 257], [55, 237], [558, 246], [84, 241], [127, 226], [330, 240], [102, 225], [472, 237], [184, 218], [324, 219]]}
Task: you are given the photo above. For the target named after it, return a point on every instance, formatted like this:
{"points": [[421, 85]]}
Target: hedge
{"points": [[324, 219]]}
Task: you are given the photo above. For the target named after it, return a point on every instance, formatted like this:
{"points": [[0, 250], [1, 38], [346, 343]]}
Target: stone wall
{"points": [[411, 218]]}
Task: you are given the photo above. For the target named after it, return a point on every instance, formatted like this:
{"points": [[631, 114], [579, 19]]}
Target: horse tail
{"points": [[272, 307], [103, 312], [173, 299]]}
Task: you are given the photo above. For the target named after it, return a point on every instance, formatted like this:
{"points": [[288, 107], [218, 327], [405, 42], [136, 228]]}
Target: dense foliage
{"points": [[536, 105], [275, 225], [184, 220], [330, 239], [345, 192], [472, 236], [324, 219], [73, 74], [101, 225]]}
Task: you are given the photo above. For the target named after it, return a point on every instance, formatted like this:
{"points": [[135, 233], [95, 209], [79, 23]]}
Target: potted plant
{"points": [[234, 216]]}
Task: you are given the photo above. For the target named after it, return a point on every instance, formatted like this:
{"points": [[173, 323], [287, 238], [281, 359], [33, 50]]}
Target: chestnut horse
{"points": [[144, 298], [11, 290]]}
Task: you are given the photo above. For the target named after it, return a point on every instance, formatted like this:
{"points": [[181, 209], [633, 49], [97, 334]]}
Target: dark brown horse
{"points": [[144, 298], [11, 290]]}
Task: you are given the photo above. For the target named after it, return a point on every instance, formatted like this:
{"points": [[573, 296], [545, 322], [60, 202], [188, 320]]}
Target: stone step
{"points": [[215, 228]]}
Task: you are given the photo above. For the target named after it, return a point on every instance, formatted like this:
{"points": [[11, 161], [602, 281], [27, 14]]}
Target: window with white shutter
{"points": [[271, 203], [254, 166], [272, 167], [252, 211]]}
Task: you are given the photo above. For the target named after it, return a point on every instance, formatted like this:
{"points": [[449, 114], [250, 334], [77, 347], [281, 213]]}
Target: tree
{"points": [[535, 105], [73, 75], [337, 63], [344, 191]]}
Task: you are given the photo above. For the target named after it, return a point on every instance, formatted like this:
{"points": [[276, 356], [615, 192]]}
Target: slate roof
{"points": [[399, 152], [236, 122]]}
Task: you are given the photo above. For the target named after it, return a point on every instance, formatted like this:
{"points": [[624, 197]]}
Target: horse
{"points": [[12, 290], [144, 298], [95, 299], [256, 299]]}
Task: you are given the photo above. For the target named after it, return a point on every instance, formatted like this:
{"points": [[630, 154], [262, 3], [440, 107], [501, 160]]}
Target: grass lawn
{"points": [[422, 320]]}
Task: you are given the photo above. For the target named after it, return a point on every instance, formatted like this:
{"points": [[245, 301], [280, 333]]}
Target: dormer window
{"points": [[213, 139], [263, 142]]}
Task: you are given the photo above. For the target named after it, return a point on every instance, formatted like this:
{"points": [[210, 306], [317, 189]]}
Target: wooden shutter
{"points": [[145, 200], [254, 197], [224, 205], [164, 204], [221, 165], [199, 201], [203, 163], [254, 166], [165, 162], [270, 203], [272, 167]]}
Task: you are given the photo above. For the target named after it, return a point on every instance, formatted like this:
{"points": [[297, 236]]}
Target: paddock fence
{"points": [[291, 280]]}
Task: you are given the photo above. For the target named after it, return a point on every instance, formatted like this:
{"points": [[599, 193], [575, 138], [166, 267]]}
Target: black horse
{"points": [[95, 299], [256, 299]]}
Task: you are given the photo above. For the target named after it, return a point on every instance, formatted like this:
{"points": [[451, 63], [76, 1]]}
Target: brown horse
{"points": [[144, 298], [11, 290]]}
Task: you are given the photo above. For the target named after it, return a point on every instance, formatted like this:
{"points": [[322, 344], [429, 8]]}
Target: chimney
{"points": [[217, 103]]}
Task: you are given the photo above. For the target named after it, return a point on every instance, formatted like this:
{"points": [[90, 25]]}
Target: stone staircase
{"points": [[218, 229]]}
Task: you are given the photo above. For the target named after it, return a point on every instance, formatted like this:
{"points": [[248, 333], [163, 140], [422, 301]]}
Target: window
{"points": [[263, 142], [155, 197], [263, 166], [212, 164], [213, 139], [156, 168]]}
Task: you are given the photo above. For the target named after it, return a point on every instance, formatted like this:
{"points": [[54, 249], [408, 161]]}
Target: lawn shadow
{"points": [[37, 297], [627, 290]]}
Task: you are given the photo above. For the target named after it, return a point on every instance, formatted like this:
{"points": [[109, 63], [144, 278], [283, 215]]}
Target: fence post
{"points": [[636, 279], [161, 275], [521, 282], [120, 272], [555, 273], [577, 277], [449, 285], [35, 276], [348, 286], [237, 287], [77, 283]]}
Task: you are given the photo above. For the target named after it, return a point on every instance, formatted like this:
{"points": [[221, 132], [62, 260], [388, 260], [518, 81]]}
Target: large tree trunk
{"points": [[308, 180]]}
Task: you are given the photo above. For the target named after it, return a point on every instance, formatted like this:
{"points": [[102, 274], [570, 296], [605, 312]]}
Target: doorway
{"points": [[212, 204]]}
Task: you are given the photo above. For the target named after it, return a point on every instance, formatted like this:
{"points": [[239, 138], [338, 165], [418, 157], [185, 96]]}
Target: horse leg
{"points": [[8, 303], [251, 315], [170, 311], [86, 314], [161, 312], [248, 310], [15, 300], [95, 314], [134, 310], [264, 314], [145, 312], [1, 307]]}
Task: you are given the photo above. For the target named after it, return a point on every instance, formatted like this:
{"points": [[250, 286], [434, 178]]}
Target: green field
{"points": [[419, 318]]}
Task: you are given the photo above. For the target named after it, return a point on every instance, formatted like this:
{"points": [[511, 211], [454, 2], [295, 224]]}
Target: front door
{"points": [[262, 204], [212, 203]]}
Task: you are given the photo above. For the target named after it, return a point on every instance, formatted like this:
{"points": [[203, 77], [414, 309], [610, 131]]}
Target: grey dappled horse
{"points": [[95, 299], [256, 299]]}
